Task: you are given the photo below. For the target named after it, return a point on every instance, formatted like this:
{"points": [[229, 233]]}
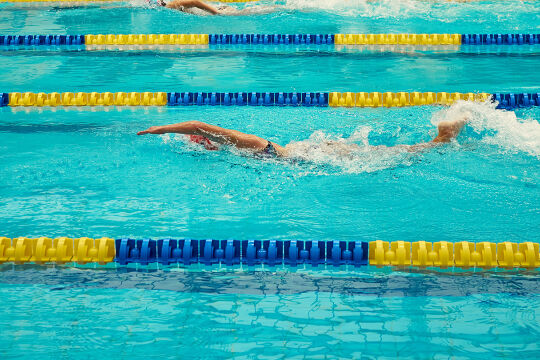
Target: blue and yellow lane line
{"points": [[89, 41], [305, 99], [420, 254]]}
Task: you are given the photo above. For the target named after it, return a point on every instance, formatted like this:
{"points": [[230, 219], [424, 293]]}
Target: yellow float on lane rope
{"points": [[60, 250], [463, 254], [146, 39], [397, 39], [88, 99], [400, 99]]}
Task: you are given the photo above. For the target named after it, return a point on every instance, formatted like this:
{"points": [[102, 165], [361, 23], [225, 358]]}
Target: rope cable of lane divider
{"points": [[338, 41], [305, 99], [441, 254]]}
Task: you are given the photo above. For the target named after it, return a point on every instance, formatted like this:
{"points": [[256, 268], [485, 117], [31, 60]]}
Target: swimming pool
{"points": [[83, 172]]}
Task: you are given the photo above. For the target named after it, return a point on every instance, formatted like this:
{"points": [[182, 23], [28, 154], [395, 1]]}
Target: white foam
{"points": [[496, 127], [440, 10], [351, 154], [138, 3], [502, 130], [380, 8], [325, 153]]}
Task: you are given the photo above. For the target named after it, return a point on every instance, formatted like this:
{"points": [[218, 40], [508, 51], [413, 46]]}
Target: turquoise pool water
{"points": [[509, 69], [270, 71], [78, 314], [294, 16], [87, 173], [84, 172]]}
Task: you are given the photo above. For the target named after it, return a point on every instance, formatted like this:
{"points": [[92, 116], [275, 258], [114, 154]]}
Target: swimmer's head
{"points": [[161, 3]]}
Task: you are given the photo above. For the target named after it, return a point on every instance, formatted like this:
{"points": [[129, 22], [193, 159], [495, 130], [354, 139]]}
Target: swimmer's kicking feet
{"points": [[211, 136]]}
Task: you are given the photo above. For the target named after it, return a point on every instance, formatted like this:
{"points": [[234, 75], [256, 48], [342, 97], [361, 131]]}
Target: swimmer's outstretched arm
{"points": [[178, 4], [216, 134]]}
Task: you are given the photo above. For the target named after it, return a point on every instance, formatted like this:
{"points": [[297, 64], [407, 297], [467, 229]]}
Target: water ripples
{"points": [[247, 314]]}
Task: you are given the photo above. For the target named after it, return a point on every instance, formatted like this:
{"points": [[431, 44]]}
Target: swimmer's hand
{"points": [[153, 130]]}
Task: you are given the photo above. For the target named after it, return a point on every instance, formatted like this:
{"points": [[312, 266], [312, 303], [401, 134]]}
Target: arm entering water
{"points": [[448, 130], [214, 133]]}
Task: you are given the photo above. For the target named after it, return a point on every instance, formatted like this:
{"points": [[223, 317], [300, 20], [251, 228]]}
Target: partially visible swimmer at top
{"points": [[211, 136], [198, 7]]}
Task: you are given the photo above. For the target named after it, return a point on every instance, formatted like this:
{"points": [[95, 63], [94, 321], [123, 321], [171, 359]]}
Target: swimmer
{"points": [[210, 136], [198, 7]]}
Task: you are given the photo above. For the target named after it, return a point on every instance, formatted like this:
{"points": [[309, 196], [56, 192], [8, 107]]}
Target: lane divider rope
{"points": [[441, 254], [336, 40], [306, 99]]}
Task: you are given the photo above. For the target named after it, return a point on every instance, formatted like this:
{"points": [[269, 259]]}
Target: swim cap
{"points": [[199, 139]]}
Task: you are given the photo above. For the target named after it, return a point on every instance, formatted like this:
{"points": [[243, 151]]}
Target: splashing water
{"points": [[142, 3], [446, 11], [496, 127], [502, 130], [351, 154], [383, 8], [380, 8], [326, 153]]}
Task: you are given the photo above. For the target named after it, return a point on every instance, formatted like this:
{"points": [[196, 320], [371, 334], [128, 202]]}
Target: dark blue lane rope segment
{"points": [[4, 99], [248, 98], [512, 101], [28, 40], [271, 39], [234, 252], [500, 39]]}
